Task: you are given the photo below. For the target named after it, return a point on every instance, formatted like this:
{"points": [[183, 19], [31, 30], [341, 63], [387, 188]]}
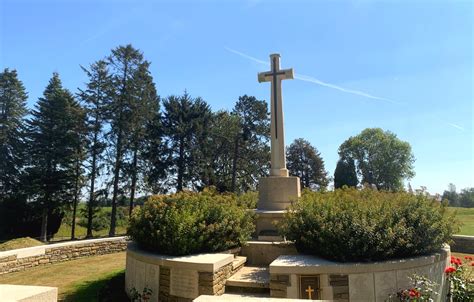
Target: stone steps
{"points": [[250, 280]]}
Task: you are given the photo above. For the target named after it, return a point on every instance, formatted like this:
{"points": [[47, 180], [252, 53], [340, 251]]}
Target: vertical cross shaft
{"points": [[275, 76]]}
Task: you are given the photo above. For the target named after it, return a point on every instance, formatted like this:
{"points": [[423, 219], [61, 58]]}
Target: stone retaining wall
{"points": [[177, 279], [368, 282], [463, 244], [22, 259]]}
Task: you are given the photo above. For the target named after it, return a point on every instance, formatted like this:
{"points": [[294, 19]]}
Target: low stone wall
{"points": [[22, 259], [463, 244], [368, 282], [177, 278]]}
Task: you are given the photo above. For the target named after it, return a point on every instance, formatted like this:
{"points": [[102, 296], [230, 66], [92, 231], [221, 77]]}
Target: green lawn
{"points": [[19, 243], [466, 217], [77, 280], [64, 232]]}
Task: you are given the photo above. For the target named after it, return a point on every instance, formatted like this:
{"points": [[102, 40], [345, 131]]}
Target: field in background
{"points": [[466, 217], [64, 232]]}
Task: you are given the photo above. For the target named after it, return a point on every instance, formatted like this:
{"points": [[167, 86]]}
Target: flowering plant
{"points": [[422, 289], [459, 277]]}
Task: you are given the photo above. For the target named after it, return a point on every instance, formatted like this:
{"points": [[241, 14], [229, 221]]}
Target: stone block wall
{"points": [[178, 279], [278, 285], [463, 244], [214, 283], [22, 259]]}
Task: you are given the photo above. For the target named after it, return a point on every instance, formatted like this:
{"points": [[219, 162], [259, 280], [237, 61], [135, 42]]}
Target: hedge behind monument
{"points": [[190, 223], [367, 225]]}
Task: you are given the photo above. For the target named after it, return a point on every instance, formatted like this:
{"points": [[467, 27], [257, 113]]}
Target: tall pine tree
{"points": [[95, 98], [125, 64], [144, 105], [186, 127], [52, 147], [12, 125]]}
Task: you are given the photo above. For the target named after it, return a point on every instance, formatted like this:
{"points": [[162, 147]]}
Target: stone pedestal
{"points": [[276, 193]]}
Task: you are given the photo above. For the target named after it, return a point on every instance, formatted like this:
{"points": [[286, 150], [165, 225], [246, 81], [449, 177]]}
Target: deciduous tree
{"points": [[381, 158]]}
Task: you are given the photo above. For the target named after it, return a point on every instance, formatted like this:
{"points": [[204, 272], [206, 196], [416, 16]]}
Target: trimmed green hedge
{"points": [[367, 225], [189, 223]]}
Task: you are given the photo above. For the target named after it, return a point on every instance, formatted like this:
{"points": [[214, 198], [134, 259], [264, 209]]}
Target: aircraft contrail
{"points": [[313, 80]]}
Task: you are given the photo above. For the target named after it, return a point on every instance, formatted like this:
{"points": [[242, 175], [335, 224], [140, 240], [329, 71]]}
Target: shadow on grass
{"points": [[110, 287]]}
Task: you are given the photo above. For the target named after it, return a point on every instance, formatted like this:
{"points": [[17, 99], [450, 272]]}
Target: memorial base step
{"points": [[269, 235], [252, 280]]}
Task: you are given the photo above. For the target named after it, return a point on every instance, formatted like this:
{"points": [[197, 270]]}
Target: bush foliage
{"points": [[367, 225], [188, 223]]}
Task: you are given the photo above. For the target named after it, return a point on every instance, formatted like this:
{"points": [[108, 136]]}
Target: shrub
{"points": [[248, 199], [367, 225], [187, 223]]}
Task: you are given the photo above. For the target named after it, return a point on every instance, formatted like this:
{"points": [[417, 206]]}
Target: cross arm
{"points": [[281, 74]]}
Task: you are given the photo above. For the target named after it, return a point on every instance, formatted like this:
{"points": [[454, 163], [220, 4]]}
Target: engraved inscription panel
{"points": [[310, 287]]}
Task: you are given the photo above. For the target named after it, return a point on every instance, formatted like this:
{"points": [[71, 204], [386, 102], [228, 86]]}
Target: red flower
{"points": [[468, 258], [414, 293], [456, 261], [472, 263], [450, 270]]}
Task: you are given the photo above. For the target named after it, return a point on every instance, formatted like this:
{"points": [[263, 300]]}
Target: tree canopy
{"points": [[380, 157], [305, 161]]}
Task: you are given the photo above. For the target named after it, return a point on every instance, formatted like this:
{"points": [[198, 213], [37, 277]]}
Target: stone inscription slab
{"points": [[309, 287], [184, 283]]}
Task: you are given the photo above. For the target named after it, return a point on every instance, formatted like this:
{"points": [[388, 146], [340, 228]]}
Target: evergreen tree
{"points": [[185, 127], [52, 147], [79, 140], [154, 154], [251, 153], [125, 63], [95, 98], [345, 173], [305, 161], [145, 104], [12, 125], [225, 128]]}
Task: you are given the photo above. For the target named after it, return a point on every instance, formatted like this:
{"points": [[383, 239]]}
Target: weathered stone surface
{"points": [[28, 293], [21, 259]]}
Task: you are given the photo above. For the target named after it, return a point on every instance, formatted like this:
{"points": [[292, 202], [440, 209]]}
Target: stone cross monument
{"points": [[275, 76], [277, 191]]}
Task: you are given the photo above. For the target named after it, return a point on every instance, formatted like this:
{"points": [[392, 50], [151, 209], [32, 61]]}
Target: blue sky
{"points": [[404, 66]]}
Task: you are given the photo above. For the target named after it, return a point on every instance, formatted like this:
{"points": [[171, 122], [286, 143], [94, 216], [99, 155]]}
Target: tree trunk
{"points": [[44, 225], [76, 196], [134, 180], [91, 204], [234, 165], [118, 155], [179, 187], [118, 162]]}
